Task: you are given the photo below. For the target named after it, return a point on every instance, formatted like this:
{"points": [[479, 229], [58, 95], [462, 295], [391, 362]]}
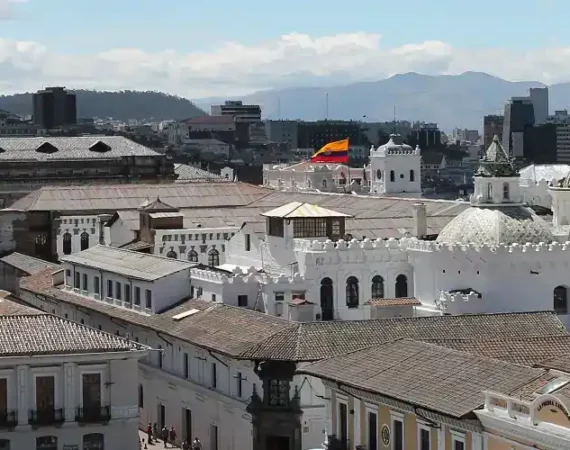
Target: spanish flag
{"points": [[333, 152]]}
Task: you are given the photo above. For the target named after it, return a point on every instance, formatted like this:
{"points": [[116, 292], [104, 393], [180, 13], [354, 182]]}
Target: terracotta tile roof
{"points": [[25, 331], [225, 329], [405, 301], [529, 351], [425, 375], [560, 362], [313, 341], [9, 306]]}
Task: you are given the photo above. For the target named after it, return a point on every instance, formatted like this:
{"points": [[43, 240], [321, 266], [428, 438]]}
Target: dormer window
{"points": [[100, 147], [47, 148]]}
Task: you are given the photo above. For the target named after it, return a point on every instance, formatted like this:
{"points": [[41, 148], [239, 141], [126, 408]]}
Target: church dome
{"points": [[394, 146], [496, 225]]}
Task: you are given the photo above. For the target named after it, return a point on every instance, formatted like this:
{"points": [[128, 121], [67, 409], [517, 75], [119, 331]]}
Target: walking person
{"points": [[172, 435], [164, 435], [185, 445], [196, 444], [149, 433]]}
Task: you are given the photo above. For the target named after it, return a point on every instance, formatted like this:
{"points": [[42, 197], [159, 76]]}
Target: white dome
{"points": [[496, 225]]}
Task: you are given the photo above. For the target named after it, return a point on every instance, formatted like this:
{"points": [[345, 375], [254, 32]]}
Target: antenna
{"points": [[327, 106], [279, 108], [394, 122]]}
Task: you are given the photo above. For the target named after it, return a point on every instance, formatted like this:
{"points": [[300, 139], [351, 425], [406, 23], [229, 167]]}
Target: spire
{"points": [[496, 162]]}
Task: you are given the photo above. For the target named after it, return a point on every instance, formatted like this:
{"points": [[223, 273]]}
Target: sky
{"points": [[200, 49]]}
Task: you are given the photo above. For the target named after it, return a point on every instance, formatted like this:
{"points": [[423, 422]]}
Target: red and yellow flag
{"points": [[333, 152]]}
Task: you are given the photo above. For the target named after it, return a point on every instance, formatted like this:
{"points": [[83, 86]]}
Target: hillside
{"points": [[119, 105], [449, 100]]}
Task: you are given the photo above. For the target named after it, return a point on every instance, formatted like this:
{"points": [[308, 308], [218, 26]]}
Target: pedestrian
{"points": [[149, 433], [155, 431], [164, 435], [172, 435], [196, 445], [185, 445]]}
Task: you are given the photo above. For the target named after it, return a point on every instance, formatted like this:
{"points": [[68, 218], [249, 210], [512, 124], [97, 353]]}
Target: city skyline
{"points": [[195, 51]]}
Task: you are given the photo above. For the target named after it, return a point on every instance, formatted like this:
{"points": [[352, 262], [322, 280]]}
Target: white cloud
{"points": [[291, 60]]}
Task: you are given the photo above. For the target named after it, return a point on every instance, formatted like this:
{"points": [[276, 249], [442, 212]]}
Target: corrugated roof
{"points": [[298, 210], [188, 173], [25, 148], [142, 266]]}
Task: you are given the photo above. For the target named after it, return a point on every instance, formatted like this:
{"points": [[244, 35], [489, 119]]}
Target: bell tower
{"points": [[276, 417]]}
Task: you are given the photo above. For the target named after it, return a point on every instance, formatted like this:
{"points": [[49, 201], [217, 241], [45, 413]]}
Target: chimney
{"points": [[420, 220]]}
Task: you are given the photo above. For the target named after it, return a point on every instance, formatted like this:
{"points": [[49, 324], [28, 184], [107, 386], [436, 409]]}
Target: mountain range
{"points": [[448, 100], [121, 105]]}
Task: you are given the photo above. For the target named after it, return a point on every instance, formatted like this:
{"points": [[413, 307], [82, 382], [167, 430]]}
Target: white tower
{"points": [[560, 192], [395, 169]]}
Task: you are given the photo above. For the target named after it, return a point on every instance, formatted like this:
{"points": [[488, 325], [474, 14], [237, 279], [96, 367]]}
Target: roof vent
{"points": [[185, 314], [46, 147], [100, 147]]}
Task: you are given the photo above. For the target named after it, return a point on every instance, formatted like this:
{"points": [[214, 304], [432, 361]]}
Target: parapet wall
{"points": [[431, 246]]}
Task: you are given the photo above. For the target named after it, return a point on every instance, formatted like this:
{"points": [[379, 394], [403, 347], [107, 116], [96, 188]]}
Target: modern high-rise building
{"points": [[539, 99], [241, 112], [519, 115], [492, 126], [54, 107]]}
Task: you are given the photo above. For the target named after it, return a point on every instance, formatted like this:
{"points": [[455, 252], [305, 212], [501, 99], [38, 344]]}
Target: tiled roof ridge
{"points": [[514, 339], [126, 250]]}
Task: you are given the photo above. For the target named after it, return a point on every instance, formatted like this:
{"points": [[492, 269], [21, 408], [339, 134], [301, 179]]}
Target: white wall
{"points": [[401, 164], [165, 291], [121, 397], [118, 234], [76, 226]]}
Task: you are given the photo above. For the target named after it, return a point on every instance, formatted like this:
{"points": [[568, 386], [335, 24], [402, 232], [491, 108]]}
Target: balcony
{"points": [[8, 419], [46, 416], [93, 414]]}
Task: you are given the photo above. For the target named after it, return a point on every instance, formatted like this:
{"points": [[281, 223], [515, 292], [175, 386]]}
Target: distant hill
{"points": [[121, 105], [449, 100]]}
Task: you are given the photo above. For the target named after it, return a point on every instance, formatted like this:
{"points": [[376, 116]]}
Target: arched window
{"points": [[94, 441], [392, 176], [412, 175], [352, 292], [378, 174], [213, 257], [84, 241], [46, 443], [489, 191], [327, 299], [506, 193], [193, 256], [401, 286], [561, 300], [141, 396], [171, 254], [67, 244], [324, 183], [4, 444], [40, 244], [377, 287]]}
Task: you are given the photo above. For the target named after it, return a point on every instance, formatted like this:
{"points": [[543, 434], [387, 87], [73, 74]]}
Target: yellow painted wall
{"points": [[554, 415], [498, 444], [410, 432], [384, 418]]}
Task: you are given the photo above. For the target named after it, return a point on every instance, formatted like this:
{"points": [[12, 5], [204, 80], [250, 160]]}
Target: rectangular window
{"points": [[128, 293], [45, 394], [77, 280], [343, 422], [214, 375], [186, 364], [84, 284], [148, 294], [242, 301], [247, 242], [458, 443], [96, 286], [91, 395], [213, 297], [425, 442], [109, 289], [239, 380], [118, 293], [398, 434], [372, 430], [214, 437], [3, 394], [68, 277], [192, 293], [137, 295], [304, 228], [275, 227]]}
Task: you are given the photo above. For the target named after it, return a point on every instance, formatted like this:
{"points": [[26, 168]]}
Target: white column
{"points": [[69, 403], [441, 438], [25, 390]]}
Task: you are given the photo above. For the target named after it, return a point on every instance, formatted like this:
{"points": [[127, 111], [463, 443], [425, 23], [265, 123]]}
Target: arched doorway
{"points": [[67, 244], [561, 300], [352, 292], [401, 286], [84, 241], [377, 287], [327, 299]]}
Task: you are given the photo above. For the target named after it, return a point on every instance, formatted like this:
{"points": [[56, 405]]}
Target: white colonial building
{"points": [[65, 385]]}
